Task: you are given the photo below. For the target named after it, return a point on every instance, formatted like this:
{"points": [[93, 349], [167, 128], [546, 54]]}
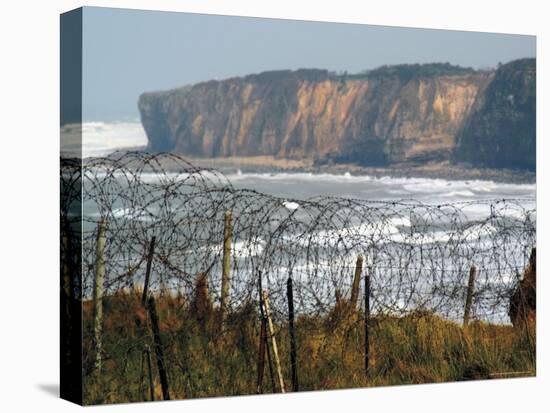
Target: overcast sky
{"points": [[127, 52]]}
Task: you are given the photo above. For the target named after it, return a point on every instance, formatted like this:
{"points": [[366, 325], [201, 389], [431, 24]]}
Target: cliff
{"points": [[395, 114], [501, 131]]}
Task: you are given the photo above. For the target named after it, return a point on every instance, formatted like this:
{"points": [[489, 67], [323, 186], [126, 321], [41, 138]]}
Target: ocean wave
{"points": [[91, 139], [239, 248], [303, 176], [460, 193]]}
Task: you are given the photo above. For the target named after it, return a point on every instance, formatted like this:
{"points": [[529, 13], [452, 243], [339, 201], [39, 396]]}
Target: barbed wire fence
{"points": [[177, 236]]}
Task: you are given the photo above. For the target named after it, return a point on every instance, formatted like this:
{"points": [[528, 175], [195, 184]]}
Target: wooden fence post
{"points": [[148, 269], [263, 339], [226, 266], [159, 351], [154, 325], [261, 358], [99, 282], [469, 295], [367, 318], [263, 346], [293, 367], [273, 342], [270, 362], [150, 373], [356, 282], [146, 359]]}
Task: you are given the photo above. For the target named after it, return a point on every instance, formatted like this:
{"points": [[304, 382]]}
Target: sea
{"points": [[104, 138]]}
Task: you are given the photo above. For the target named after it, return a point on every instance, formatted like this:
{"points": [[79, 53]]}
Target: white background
{"points": [[29, 193]]}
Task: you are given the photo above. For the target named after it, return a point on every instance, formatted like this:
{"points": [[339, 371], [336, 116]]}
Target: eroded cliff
{"points": [[396, 114], [501, 131]]}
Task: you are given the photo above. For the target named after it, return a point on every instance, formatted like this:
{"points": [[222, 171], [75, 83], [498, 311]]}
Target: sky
{"points": [[128, 52]]}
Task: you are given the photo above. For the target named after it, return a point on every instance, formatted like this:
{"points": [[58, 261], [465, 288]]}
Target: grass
{"points": [[202, 362]]}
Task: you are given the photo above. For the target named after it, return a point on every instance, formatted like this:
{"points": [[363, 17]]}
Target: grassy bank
{"points": [[204, 361]]}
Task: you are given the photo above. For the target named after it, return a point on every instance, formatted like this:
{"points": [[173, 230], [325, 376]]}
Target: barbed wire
{"points": [[418, 255]]}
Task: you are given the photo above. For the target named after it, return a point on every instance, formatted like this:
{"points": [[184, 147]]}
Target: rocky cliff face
{"points": [[501, 131], [399, 114]]}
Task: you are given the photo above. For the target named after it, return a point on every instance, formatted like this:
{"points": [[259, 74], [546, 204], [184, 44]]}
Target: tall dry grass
{"points": [[202, 362]]}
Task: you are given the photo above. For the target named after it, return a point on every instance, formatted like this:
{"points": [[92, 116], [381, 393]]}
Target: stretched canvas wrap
{"points": [[254, 205]]}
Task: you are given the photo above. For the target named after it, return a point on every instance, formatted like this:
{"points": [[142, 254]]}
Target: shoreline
{"points": [[269, 164], [441, 170]]}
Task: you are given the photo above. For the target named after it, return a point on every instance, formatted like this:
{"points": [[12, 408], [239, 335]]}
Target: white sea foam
{"points": [[378, 232], [101, 138], [131, 214], [240, 248], [460, 193], [444, 190], [477, 231], [291, 205], [299, 176]]}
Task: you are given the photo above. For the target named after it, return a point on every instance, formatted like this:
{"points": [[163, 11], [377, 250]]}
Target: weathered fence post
{"points": [[469, 295], [261, 358], [159, 351], [273, 342], [293, 367], [142, 375], [270, 363], [146, 359], [154, 325], [367, 317], [263, 339], [150, 373], [226, 266], [99, 282], [148, 269], [356, 282], [263, 346]]}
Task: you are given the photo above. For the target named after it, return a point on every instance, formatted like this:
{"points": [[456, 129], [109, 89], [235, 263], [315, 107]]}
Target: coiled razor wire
{"points": [[419, 254]]}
